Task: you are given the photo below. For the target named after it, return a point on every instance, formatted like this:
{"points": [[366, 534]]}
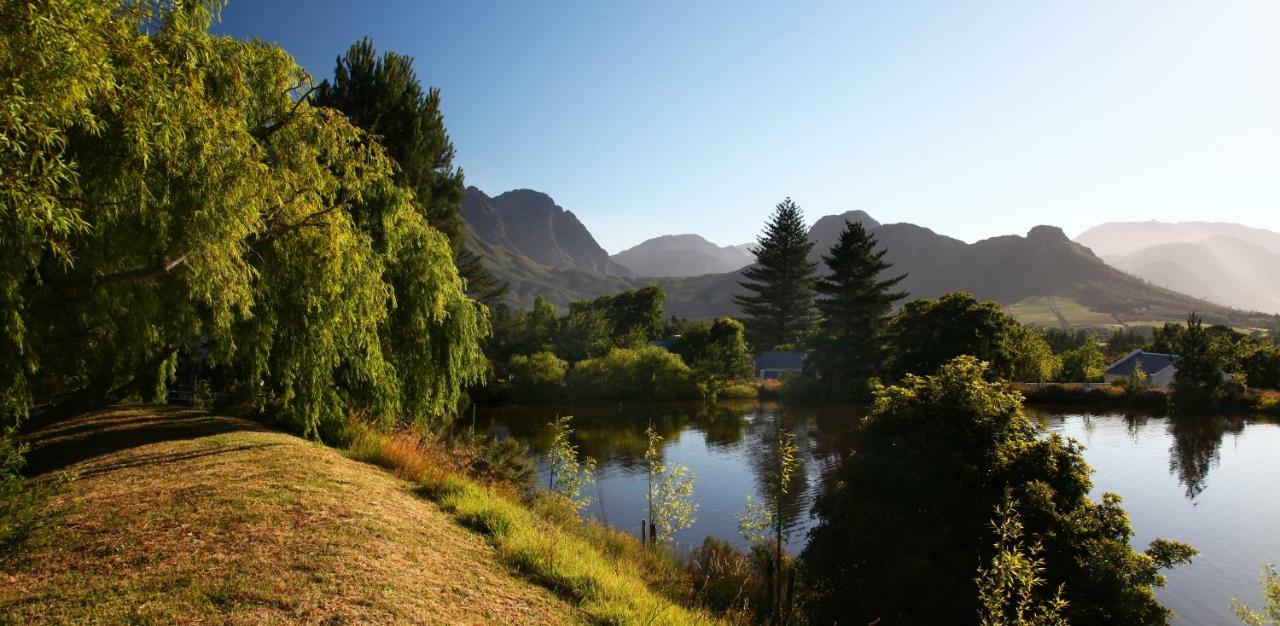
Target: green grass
{"points": [[1039, 311], [606, 573]]}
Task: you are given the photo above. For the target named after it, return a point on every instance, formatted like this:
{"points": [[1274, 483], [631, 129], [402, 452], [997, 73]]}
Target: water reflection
{"points": [[1180, 478], [1195, 446]]}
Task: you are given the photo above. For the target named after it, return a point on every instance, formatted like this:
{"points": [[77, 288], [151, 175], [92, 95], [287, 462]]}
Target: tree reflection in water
{"points": [[1194, 451]]}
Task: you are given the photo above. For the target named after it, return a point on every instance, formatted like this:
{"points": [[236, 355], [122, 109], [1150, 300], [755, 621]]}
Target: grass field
{"points": [[181, 517], [1059, 312]]}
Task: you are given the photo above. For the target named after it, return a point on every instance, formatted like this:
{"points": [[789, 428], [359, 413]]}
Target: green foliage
{"points": [[728, 580], [670, 492], [911, 508], [717, 353], [565, 474], [170, 187], [778, 310], [23, 503], [1009, 588], [382, 95], [1085, 364], [537, 377], [585, 333], [1033, 358], [648, 373], [929, 333], [1270, 613], [1261, 366], [852, 343], [1197, 378]]}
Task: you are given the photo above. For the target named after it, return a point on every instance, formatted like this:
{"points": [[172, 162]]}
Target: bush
{"points": [[728, 580], [537, 377], [648, 373], [739, 391], [23, 514]]}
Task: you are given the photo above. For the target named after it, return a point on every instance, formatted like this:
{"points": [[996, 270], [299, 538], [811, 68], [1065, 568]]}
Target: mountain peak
{"points": [[1047, 234], [530, 223]]}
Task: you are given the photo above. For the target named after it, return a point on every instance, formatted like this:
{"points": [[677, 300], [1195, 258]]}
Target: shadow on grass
{"points": [[66, 442]]}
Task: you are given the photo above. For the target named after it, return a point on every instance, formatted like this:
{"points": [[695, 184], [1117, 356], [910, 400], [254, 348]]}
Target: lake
{"points": [[1205, 481]]}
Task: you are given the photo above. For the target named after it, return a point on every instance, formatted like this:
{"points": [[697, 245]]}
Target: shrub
{"points": [[648, 373], [727, 579], [739, 391], [23, 514], [538, 376]]}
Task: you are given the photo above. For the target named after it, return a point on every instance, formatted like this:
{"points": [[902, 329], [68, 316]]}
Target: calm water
{"points": [[1207, 481]]}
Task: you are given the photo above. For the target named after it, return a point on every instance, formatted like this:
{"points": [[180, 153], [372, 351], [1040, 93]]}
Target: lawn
{"points": [[182, 517]]}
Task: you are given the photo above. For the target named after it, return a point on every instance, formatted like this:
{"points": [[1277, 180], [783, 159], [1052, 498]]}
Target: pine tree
{"points": [[779, 308], [855, 304], [382, 95]]}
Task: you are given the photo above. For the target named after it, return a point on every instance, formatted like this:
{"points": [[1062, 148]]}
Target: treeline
{"points": [[601, 350]]}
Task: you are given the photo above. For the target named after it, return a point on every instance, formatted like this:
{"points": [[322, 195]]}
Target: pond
{"points": [[1206, 481]]}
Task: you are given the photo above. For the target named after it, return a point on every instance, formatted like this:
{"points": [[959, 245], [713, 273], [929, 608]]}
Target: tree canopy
{"points": [[928, 333], [778, 308], [855, 301], [909, 515], [171, 192]]}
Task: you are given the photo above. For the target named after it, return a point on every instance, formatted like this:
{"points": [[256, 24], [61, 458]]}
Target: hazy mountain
{"points": [[1223, 269], [682, 255], [530, 224], [1125, 238], [1043, 276], [1044, 266]]}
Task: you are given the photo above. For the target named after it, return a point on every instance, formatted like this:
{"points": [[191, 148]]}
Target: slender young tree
{"points": [[778, 305], [855, 304]]}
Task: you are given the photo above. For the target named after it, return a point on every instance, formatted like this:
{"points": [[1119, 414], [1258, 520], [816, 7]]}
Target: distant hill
{"points": [[1043, 277], [683, 255], [1125, 238], [1220, 268]]}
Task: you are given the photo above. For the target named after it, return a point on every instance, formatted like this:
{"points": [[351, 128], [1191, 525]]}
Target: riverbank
{"points": [[1264, 401], [178, 516]]}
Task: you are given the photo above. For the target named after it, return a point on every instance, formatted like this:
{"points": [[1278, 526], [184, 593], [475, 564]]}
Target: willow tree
{"points": [[168, 191]]}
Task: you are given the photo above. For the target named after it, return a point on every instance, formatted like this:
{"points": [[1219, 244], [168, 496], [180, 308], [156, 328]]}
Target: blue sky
{"points": [[973, 119]]}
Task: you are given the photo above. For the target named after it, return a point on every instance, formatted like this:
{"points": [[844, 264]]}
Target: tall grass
{"points": [[606, 572]]}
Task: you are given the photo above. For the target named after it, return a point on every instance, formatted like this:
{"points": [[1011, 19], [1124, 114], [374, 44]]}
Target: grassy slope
{"points": [[181, 517]]}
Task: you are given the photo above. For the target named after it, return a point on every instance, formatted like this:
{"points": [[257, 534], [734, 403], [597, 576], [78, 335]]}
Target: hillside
{"points": [[1040, 276], [683, 255], [182, 517]]}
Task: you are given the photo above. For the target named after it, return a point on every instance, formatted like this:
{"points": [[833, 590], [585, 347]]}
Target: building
{"points": [[771, 365], [1159, 368]]}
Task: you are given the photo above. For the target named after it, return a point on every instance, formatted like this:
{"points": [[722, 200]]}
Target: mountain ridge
{"points": [[1013, 270]]}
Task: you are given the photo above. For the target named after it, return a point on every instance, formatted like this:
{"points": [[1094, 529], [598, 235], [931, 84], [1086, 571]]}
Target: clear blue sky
{"points": [[973, 119]]}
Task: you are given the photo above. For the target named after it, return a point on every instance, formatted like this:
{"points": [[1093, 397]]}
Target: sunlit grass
{"points": [[610, 576]]}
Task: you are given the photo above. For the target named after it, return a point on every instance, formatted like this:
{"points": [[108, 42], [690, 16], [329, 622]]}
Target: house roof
{"points": [[780, 360], [665, 344], [1152, 362]]}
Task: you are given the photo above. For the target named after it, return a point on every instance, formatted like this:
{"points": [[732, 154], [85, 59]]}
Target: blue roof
{"points": [[1151, 363], [665, 344], [780, 360]]}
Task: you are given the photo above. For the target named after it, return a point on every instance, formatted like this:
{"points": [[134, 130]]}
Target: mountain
{"points": [[683, 255], [529, 223], [1125, 238], [1042, 278], [1223, 269]]}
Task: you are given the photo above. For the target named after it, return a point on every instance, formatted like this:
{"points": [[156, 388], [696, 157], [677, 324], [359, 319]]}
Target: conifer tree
{"points": [[382, 95], [778, 309], [855, 303]]}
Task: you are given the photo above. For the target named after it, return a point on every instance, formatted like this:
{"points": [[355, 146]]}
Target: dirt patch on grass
{"points": [[182, 517]]}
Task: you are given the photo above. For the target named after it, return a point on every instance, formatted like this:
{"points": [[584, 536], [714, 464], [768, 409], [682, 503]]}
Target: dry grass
{"points": [[606, 572], [180, 517]]}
